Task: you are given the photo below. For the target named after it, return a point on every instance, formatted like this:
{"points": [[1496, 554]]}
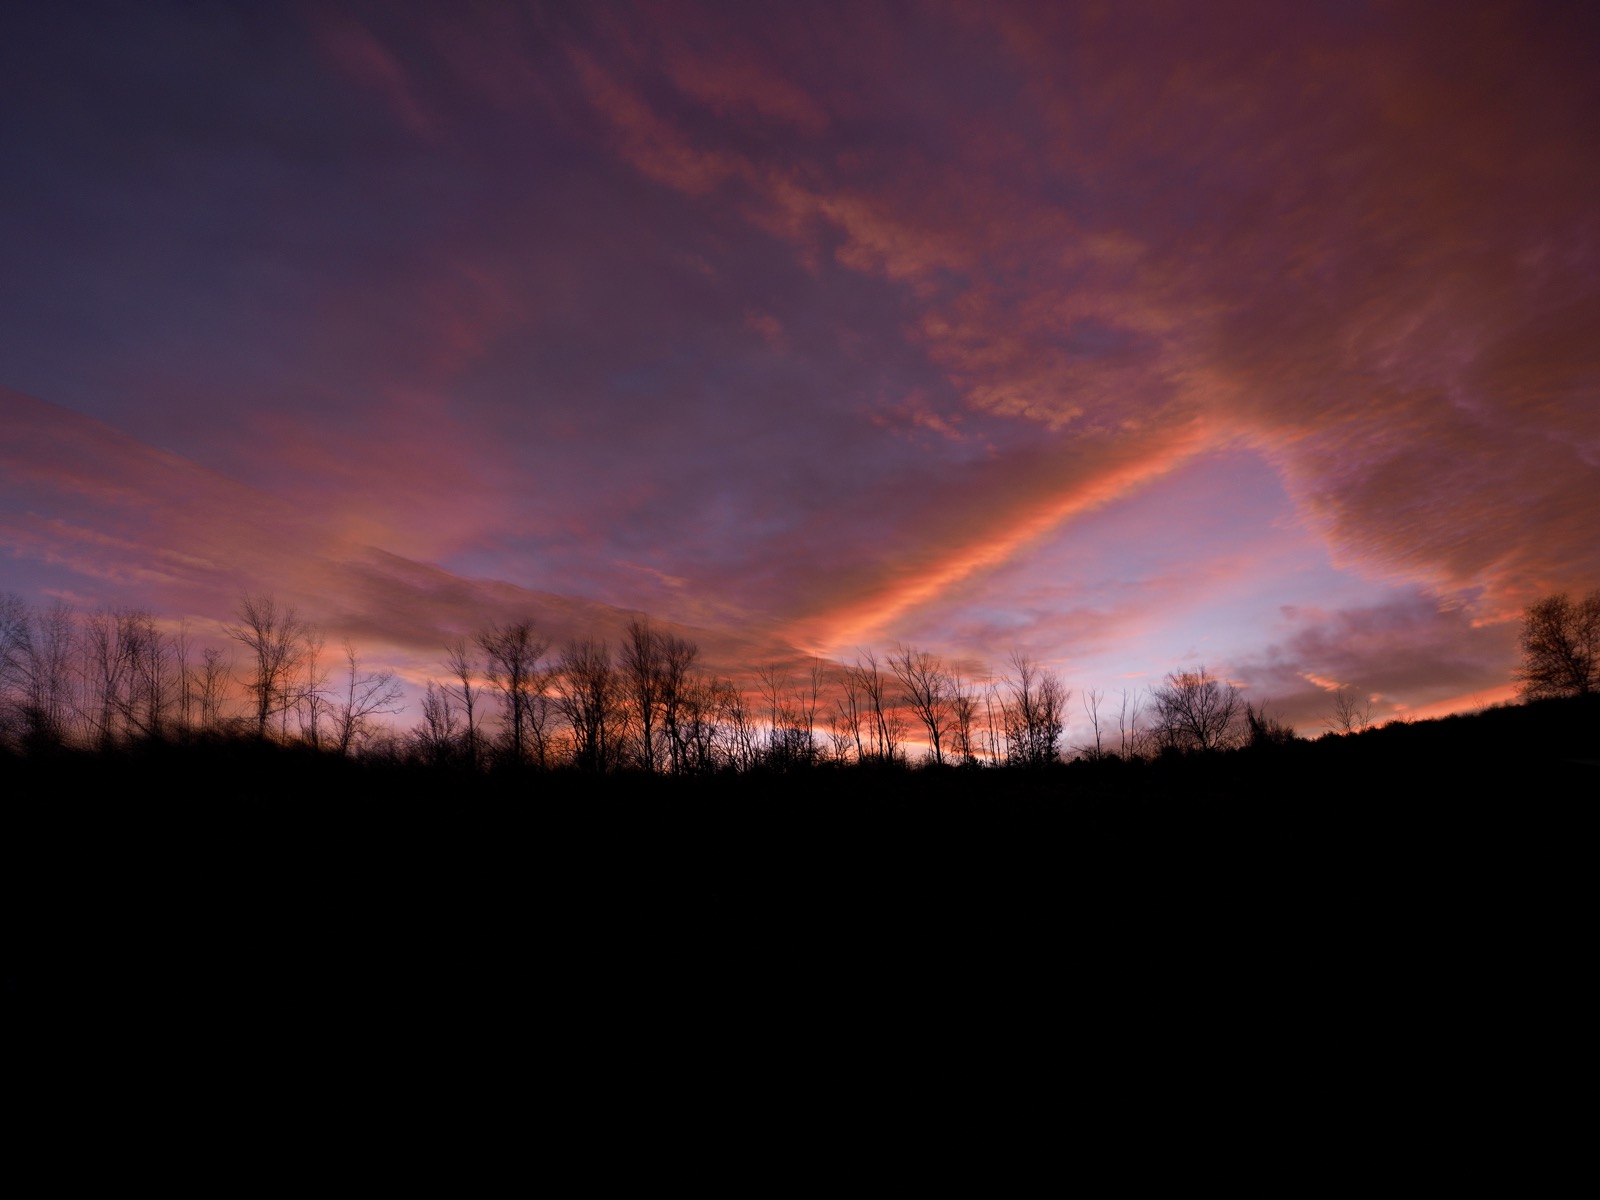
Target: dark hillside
{"points": [[197, 882]]}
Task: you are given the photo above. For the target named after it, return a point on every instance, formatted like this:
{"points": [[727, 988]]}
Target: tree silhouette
{"points": [[1561, 647], [211, 687], [273, 637], [465, 691], [366, 695], [1034, 713], [587, 692], [1351, 713], [513, 652], [1195, 711], [868, 685], [436, 736], [312, 700], [35, 671], [682, 708], [643, 671], [928, 691]]}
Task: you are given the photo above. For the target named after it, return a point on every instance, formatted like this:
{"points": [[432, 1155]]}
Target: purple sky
{"points": [[1135, 336]]}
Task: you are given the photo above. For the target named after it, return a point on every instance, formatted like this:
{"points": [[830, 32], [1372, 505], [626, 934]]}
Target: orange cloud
{"points": [[925, 578], [650, 143], [734, 85]]}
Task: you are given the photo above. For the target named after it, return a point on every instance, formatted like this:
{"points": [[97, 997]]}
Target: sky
{"points": [[1132, 336]]}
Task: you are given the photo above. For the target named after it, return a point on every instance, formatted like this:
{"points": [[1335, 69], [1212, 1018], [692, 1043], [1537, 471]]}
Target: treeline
{"points": [[646, 704], [111, 678], [507, 696]]}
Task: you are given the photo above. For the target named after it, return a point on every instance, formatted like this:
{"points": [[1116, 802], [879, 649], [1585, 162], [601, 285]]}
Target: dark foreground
{"points": [[246, 892]]}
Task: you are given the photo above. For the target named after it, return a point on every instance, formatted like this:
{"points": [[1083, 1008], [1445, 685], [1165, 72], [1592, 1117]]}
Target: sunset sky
{"points": [[1135, 336]]}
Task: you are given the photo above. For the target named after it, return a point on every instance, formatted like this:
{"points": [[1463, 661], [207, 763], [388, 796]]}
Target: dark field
{"points": [[236, 887]]}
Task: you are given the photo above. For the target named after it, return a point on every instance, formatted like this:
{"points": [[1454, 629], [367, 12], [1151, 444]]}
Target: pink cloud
{"points": [[358, 54]]}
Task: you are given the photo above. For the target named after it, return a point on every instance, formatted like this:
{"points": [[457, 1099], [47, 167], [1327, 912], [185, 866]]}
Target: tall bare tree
{"points": [[437, 734], [273, 637], [733, 711], [313, 702], [367, 694], [926, 690], [154, 679], [211, 681], [885, 726], [36, 670], [587, 693], [512, 655], [1034, 713], [965, 734], [1092, 699], [772, 682], [1132, 738], [700, 739], [682, 707], [993, 722], [642, 669], [850, 714], [465, 692], [107, 666]]}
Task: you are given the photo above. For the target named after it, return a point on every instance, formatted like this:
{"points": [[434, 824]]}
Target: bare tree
{"points": [[313, 703], [1195, 711], [885, 728], [963, 721], [154, 677], [679, 695], [1561, 647], [642, 670], [841, 743], [697, 734], [733, 711], [512, 653], [107, 665], [273, 637], [459, 660], [927, 690], [1351, 713], [993, 722], [806, 703], [587, 692], [772, 682], [1034, 713], [1132, 740], [211, 687], [849, 710], [1091, 699], [36, 684], [791, 714], [126, 665], [16, 658], [367, 694], [184, 677], [437, 734]]}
